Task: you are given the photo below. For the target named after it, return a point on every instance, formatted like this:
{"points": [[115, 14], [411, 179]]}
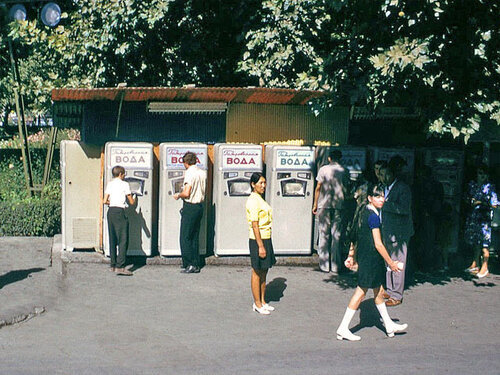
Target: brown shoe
{"points": [[386, 296], [393, 302], [123, 272], [112, 269]]}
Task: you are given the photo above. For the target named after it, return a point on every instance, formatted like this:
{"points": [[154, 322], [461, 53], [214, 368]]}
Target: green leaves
{"points": [[433, 55]]}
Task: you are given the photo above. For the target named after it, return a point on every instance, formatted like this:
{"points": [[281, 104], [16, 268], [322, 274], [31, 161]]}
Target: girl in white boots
{"points": [[370, 255]]}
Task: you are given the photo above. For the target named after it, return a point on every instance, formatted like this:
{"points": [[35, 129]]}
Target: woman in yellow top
{"points": [[260, 217]]}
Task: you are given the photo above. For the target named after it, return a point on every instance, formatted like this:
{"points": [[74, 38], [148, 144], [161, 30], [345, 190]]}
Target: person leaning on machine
{"points": [[116, 192], [193, 195]]}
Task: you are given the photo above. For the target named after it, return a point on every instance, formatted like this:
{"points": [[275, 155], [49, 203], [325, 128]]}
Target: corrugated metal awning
{"points": [[254, 95]]}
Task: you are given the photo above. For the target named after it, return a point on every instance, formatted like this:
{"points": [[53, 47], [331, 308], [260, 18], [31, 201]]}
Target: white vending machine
{"points": [[233, 167], [290, 189], [81, 201], [354, 160], [171, 181], [137, 159], [408, 154]]}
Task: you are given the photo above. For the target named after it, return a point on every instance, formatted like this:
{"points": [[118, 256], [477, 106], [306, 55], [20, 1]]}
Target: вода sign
{"points": [[238, 158], [294, 159], [174, 156], [131, 157]]}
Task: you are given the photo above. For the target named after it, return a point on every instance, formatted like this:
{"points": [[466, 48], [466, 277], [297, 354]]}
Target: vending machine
{"points": [[408, 155], [233, 167], [137, 159], [81, 185], [290, 189], [448, 168], [172, 172], [354, 160]]}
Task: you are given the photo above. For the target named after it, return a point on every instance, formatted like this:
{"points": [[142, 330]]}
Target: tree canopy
{"points": [[439, 57], [140, 42]]}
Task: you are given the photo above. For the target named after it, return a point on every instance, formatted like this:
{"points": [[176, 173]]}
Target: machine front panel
{"points": [[172, 172], [234, 166], [137, 159]]}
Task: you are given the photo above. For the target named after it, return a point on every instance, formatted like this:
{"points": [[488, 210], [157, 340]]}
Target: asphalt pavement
{"points": [[67, 314]]}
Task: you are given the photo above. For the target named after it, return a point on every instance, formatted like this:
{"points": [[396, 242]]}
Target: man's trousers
{"points": [[329, 246], [190, 233], [398, 251], [118, 236]]}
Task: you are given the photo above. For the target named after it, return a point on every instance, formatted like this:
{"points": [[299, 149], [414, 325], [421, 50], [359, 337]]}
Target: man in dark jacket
{"points": [[397, 228]]}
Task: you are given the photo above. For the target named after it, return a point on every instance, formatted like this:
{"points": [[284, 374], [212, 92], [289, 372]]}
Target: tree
{"points": [[439, 57], [140, 42]]}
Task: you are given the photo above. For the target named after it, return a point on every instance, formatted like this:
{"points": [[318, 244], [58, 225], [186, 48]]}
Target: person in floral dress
{"points": [[481, 197]]}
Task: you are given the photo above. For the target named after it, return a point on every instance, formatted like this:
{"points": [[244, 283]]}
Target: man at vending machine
{"points": [[193, 195], [116, 194], [332, 185]]}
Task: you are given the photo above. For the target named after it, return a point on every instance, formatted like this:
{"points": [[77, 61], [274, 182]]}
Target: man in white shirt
{"points": [[193, 195], [117, 191], [332, 183]]}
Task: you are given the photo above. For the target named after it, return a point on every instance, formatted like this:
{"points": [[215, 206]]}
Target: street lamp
{"points": [[18, 12], [51, 14]]}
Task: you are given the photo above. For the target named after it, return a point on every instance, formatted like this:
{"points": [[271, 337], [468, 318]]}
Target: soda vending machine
{"points": [[448, 168], [354, 159], [172, 172], [290, 189], [408, 154], [233, 167], [137, 159]]}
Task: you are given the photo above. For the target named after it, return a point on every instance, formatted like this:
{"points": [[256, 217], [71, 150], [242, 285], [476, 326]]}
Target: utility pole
{"points": [[21, 123]]}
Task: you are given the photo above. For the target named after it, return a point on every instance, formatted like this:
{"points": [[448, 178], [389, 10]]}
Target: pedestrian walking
{"points": [[193, 196], [332, 185], [482, 198], [117, 191], [260, 218], [370, 254]]}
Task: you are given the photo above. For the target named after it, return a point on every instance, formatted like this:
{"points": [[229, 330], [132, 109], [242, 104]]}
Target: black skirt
{"points": [[261, 263], [371, 265]]}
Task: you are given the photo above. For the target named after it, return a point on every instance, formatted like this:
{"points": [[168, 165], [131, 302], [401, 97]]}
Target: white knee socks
{"points": [[390, 326], [343, 330]]}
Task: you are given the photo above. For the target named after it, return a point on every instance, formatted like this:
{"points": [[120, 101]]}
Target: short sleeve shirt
{"points": [[259, 210], [374, 221], [117, 189], [333, 178], [197, 179]]}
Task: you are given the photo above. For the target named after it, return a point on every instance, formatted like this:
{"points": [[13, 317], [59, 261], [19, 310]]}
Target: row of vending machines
{"points": [[154, 221], [290, 184]]}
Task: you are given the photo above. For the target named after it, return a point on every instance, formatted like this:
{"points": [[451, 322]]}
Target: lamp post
{"points": [[50, 16]]}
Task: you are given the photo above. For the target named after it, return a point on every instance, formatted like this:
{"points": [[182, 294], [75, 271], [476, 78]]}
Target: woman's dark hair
{"points": [[255, 178], [371, 190], [375, 190]]}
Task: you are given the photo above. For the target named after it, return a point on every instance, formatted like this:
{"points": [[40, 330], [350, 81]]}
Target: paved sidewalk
{"points": [[162, 322], [27, 282]]}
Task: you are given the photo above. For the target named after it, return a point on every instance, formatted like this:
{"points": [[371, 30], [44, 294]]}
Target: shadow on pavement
{"points": [[18, 275], [136, 262], [275, 289], [346, 280], [370, 317]]}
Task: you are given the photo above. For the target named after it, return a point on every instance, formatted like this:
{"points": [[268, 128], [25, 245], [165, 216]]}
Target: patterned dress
{"points": [[478, 223]]}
